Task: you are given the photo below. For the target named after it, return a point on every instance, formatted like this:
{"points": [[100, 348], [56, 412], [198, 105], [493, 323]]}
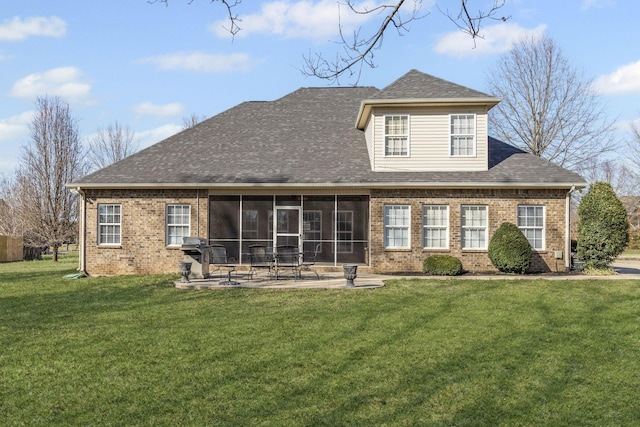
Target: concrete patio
{"points": [[628, 268]]}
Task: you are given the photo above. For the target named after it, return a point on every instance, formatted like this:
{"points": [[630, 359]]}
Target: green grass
{"points": [[135, 351]]}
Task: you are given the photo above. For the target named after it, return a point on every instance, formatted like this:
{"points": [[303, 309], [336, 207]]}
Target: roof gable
{"points": [[418, 85]]}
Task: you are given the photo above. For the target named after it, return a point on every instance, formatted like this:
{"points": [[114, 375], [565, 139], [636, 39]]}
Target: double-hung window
{"points": [[178, 220], [396, 226], [435, 226], [531, 223], [396, 135], [109, 224], [474, 220], [463, 134]]}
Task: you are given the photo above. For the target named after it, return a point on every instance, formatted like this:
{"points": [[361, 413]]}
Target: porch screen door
{"points": [[288, 226]]}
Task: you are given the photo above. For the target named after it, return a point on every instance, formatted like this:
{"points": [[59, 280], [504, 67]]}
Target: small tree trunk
{"points": [[54, 248]]}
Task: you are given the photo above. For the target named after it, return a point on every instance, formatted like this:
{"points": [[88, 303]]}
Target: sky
{"points": [[150, 66]]}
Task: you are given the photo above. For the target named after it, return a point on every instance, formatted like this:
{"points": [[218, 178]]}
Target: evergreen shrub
{"points": [[603, 230], [509, 249], [442, 265]]}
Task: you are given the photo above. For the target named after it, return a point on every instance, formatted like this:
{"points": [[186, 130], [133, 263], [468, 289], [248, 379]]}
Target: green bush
{"points": [[442, 265], [509, 249], [603, 230]]}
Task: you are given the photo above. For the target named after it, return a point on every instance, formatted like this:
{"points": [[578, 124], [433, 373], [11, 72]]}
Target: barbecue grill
{"points": [[198, 252]]}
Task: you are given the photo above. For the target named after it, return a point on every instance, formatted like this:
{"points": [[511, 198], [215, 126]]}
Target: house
{"points": [[381, 178]]}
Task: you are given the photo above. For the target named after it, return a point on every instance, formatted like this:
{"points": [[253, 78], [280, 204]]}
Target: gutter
{"points": [[359, 185], [567, 236], [82, 255]]}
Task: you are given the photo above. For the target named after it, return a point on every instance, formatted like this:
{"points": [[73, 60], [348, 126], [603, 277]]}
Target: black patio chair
{"points": [[260, 258], [309, 261], [288, 257], [220, 260]]}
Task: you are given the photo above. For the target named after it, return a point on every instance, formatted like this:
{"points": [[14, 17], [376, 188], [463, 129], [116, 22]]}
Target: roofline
{"points": [[367, 104], [367, 185]]}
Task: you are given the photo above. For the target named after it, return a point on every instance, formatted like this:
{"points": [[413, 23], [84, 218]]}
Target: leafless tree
{"points": [[633, 144], [192, 120], [53, 158], [357, 49], [548, 108], [111, 145], [614, 171]]}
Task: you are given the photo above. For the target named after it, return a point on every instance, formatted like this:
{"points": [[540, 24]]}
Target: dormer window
{"points": [[463, 134], [396, 135]]}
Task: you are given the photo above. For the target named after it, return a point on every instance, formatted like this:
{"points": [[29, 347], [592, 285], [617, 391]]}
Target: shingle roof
{"points": [[416, 84], [306, 137]]}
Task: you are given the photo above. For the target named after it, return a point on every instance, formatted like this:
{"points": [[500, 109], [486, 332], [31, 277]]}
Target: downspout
{"points": [[567, 236], [81, 241]]}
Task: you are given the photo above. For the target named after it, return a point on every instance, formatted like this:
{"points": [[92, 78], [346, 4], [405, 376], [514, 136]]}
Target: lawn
{"points": [[135, 351]]}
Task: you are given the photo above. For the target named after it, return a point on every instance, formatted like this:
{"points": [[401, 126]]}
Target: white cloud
{"points": [[17, 28], [591, 4], [625, 80], [496, 39], [316, 20], [202, 62], [155, 110], [15, 127], [152, 136], [65, 82]]}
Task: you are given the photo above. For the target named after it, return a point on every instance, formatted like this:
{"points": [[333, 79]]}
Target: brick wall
{"points": [[502, 206], [143, 249]]}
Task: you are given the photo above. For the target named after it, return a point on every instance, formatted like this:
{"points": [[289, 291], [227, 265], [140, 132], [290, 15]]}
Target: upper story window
{"points": [[396, 135], [178, 220], [463, 134], [396, 226], [531, 223], [109, 224]]}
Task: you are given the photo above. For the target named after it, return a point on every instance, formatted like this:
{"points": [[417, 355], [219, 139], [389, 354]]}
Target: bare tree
{"points": [[192, 120], [548, 108], [622, 178], [357, 49], [633, 144], [53, 158], [111, 145]]}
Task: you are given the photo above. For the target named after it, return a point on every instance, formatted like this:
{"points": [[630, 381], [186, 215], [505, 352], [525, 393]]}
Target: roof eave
{"points": [[367, 185], [367, 105]]}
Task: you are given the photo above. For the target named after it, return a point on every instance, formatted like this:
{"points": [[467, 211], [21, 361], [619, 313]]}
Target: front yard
{"points": [[135, 351]]}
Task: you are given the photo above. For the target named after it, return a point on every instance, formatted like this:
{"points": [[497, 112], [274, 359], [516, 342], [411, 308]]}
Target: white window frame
{"points": [[528, 227], [388, 227], [312, 227], [427, 227], [170, 235], [399, 136], [344, 238], [250, 224], [453, 134], [112, 224], [474, 228]]}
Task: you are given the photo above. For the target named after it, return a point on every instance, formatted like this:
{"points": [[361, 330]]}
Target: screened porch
{"points": [[336, 227]]}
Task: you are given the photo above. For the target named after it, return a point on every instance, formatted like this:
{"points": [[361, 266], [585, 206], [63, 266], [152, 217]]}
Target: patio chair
{"points": [[309, 261], [288, 257], [220, 260], [260, 258]]}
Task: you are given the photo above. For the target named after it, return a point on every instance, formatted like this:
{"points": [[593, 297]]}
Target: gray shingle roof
{"points": [[306, 137], [416, 84]]}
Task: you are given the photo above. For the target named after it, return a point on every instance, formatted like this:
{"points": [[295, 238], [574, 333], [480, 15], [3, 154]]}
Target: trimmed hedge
{"points": [[442, 265], [509, 249]]}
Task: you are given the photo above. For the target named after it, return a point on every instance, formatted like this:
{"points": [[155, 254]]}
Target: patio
{"points": [[326, 280]]}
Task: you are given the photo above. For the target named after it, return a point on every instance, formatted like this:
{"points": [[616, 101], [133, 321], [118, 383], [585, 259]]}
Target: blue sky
{"points": [[148, 66]]}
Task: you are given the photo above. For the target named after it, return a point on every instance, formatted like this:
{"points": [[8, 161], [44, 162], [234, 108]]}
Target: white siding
{"points": [[369, 137], [429, 141]]}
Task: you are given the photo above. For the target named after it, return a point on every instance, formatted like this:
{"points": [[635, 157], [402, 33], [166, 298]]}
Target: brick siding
{"points": [[143, 249], [502, 206]]}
